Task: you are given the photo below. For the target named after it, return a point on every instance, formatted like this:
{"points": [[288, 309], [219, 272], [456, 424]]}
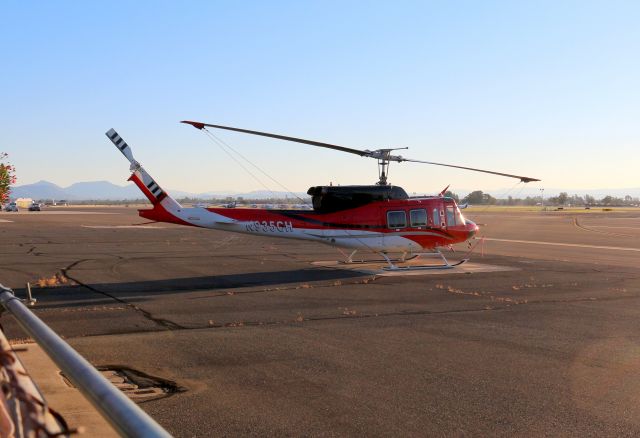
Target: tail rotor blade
{"points": [[120, 144]]}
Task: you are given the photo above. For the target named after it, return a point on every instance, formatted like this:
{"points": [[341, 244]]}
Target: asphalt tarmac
{"points": [[264, 340]]}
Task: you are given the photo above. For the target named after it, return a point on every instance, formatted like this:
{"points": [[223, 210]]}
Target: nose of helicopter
{"points": [[472, 228]]}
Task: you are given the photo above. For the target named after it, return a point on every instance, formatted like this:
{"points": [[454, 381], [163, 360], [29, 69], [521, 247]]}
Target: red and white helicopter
{"points": [[380, 218]]}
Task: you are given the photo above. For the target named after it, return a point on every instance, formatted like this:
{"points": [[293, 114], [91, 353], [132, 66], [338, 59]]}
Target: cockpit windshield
{"points": [[454, 215], [459, 217]]}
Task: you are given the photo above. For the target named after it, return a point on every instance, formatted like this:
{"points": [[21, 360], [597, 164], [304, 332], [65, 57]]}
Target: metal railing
{"points": [[123, 414]]}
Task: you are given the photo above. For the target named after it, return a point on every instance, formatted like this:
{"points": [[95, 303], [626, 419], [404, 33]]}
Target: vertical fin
{"points": [[140, 177]]}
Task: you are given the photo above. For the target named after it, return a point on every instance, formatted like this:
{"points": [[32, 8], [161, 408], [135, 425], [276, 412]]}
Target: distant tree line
{"points": [[98, 201], [244, 201], [478, 197], [186, 200]]}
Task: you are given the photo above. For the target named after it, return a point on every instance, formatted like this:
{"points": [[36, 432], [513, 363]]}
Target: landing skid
{"points": [[424, 267], [445, 265], [349, 260], [403, 258]]}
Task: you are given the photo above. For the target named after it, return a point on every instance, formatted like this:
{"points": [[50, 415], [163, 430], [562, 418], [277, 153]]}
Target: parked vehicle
{"points": [[34, 207], [11, 206]]}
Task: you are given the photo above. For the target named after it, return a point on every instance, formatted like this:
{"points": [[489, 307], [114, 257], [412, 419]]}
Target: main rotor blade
{"points": [[524, 179], [372, 154], [200, 125]]}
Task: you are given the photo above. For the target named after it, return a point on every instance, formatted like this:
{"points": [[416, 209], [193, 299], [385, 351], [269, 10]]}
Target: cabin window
{"points": [[436, 218], [418, 218], [451, 215], [396, 219]]}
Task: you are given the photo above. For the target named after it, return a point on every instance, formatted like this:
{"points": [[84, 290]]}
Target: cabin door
{"points": [[395, 221], [436, 215]]}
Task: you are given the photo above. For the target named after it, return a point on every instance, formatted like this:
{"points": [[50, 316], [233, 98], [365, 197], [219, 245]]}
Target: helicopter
{"points": [[379, 218]]}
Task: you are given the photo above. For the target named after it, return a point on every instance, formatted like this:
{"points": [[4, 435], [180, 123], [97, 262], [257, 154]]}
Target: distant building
{"points": [[24, 202]]}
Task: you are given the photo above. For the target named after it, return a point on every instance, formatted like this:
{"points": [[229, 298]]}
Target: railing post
{"points": [[30, 300]]}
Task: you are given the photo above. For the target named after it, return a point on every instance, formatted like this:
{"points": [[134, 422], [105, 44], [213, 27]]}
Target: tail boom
{"points": [[159, 214]]}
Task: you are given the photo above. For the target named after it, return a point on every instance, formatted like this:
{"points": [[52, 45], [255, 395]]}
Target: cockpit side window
{"points": [[396, 219], [418, 218], [451, 216]]}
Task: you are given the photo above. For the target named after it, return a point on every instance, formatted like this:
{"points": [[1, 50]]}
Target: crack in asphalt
{"points": [[162, 322], [299, 320], [505, 306], [335, 283], [577, 224], [497, 303], [352, 314]]}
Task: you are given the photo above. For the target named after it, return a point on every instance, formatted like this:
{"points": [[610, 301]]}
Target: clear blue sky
{"points": [[545, 89]]}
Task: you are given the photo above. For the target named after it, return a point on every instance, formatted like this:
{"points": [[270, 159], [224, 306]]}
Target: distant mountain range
{"points": [[104, 190]]}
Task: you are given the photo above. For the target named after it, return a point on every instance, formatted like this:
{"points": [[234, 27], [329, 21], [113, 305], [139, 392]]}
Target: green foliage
{"points": [[450, 194], [7, 178], [478, 197], [474, 197], [562, 198]]}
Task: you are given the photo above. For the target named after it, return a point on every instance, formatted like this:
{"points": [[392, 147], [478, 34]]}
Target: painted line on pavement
{"points": [[575, 245], [609, 226]]}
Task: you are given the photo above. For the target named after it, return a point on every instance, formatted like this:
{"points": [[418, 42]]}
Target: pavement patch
{"points": [[65, 399], [138, 386]]}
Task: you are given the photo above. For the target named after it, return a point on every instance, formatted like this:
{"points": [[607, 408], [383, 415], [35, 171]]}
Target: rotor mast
{"points": [[383, 171], [384, 158]]}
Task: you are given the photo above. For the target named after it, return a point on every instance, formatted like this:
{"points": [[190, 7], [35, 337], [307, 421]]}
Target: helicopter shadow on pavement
{"points": [[94, 294]]}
